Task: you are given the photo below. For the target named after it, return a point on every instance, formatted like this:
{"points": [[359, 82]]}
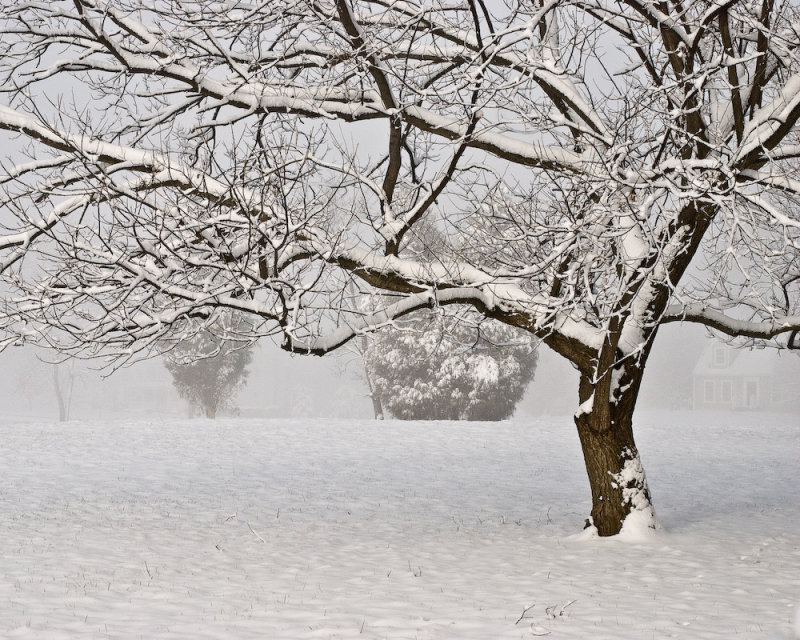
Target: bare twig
{"points": [[254, 533], [524, 611]]}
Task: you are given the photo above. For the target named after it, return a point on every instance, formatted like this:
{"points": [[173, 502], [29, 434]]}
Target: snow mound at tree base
{"points": [[641, 525]]}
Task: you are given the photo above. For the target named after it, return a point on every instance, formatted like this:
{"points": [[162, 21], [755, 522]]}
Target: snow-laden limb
{"points": [[701, 313], [503, 146], [321, 345], [21, 240], [454, 279], [482, 297], [508, 48], [781, 181], [244, 90], [162, 168], [770, 124]]}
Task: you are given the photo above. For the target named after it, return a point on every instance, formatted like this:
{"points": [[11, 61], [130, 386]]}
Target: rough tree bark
{"points": [[616, 475], [607, 391]]}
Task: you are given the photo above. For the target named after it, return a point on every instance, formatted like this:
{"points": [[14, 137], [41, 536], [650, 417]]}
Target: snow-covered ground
{"points": [[323, 529]]}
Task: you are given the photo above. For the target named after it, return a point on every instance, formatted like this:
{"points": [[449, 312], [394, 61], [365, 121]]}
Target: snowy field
{"points": [[322, 529]]}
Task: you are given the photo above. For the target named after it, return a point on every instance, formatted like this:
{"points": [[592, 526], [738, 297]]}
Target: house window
{"points": [[719, 356], [726, 391], [709, 391]]}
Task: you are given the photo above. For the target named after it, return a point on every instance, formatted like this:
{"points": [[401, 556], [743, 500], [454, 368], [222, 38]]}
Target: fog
{"points": [[283, 385]]}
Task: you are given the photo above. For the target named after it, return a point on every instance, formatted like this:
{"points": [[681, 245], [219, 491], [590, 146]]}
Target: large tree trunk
{"points": [[616, 476]]}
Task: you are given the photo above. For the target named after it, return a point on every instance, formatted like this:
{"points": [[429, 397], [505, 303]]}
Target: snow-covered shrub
{"points": [[431, 367]]}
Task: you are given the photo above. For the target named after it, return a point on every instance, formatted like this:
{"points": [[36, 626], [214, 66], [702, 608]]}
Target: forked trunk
{"points": [[616, 476]]}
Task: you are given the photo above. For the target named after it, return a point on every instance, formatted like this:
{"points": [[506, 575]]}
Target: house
{"points": [[757, 379]]}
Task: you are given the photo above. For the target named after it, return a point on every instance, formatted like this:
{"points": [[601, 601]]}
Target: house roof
{"points": [[747, 362]]}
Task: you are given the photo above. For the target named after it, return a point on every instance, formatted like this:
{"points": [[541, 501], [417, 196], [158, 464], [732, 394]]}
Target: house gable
{"points": [[757, 379]]}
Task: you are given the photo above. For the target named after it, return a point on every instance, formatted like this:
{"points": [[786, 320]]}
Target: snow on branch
{"points": [[759, 329]]}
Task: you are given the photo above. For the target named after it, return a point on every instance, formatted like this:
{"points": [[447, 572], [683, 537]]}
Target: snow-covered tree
{"points": [[598, 168], [434, 368], [209, 369]]}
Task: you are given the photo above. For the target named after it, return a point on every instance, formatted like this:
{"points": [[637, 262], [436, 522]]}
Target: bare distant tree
{"points": [[63, 385], [598, 168], [360, 349]]}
